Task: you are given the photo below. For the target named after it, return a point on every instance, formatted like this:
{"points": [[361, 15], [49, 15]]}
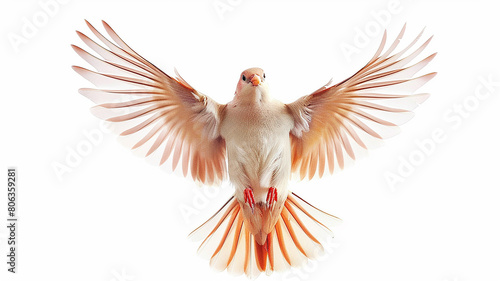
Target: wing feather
{"points": [[162, 114], [379, 95]]}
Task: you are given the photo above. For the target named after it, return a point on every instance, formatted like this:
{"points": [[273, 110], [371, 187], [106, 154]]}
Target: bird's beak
{"points": [[255, 80]]}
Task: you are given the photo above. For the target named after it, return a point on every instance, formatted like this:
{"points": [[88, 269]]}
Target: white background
{"points": [[116, 217]]}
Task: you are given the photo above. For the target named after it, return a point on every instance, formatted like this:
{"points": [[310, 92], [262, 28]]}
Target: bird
{"points": [[255, 141]]}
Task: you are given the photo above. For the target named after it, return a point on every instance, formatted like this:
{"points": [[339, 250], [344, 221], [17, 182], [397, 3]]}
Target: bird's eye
{"points": [[263, 75], [244, 78]]}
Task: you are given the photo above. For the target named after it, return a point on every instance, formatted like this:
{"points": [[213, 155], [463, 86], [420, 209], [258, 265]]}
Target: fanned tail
{"points": [[295, 238]]}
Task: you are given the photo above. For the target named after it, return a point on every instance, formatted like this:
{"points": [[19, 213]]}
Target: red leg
{"points": [[248, 192], [272, 196]]}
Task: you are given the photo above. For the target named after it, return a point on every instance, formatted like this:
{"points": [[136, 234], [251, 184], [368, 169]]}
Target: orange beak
{"points": [[255, 80]]}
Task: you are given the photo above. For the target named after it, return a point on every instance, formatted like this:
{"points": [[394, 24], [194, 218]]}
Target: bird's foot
{"points": [[272, 196], [248, 193]]}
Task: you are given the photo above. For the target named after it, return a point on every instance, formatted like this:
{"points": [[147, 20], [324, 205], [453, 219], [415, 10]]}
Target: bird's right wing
{"points": [[333, 119], [164, 116]]}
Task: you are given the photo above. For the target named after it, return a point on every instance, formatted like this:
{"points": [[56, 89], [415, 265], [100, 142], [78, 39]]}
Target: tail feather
{"points": [[218, 218], [261, 255], [295, 238], [285, 215]]}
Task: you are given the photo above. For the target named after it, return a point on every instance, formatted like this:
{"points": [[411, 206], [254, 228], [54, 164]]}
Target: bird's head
{"points": [[252, 85]]}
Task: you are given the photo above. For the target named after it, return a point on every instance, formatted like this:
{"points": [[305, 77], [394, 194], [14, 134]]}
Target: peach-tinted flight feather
{"points": [[334, 118], [166, 114]]}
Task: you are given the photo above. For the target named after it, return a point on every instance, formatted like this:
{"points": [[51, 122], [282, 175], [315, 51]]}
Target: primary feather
{"points": [[331, 120], [163, 113]]}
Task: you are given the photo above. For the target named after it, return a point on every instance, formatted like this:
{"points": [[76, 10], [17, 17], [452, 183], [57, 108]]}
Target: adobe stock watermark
{"points": [[121, 275], [453, 119], [222, 7], [305, 272], [76, 153], [199, 201], [371, 30], [31, 25]]}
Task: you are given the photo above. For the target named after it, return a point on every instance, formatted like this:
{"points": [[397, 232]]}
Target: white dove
{"points": [[257, 141]]}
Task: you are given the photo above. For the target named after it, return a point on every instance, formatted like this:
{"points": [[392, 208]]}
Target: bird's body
{"points": [[255, 140], [259, 156]]}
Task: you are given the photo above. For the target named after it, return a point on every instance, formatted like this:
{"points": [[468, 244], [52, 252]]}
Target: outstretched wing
{"points": [[163, 116], [333, 119]]}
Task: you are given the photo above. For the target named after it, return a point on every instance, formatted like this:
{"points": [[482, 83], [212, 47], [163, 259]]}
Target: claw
{"points": [[248, 192], [272, 196]]}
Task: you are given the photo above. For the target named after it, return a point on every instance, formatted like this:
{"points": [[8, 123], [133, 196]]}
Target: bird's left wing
{"points": [[164, 116], [330, 122]]}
